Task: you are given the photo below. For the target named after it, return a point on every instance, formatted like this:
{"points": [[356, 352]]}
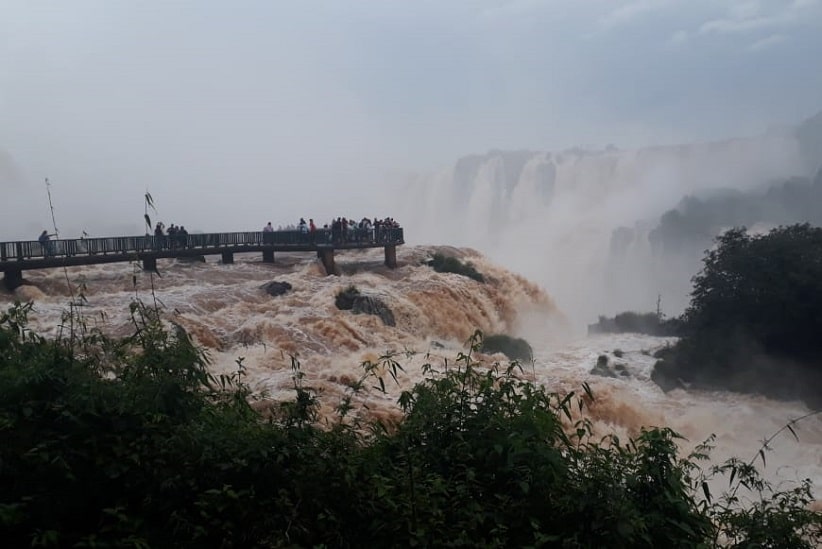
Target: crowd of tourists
{"points": [[339, 231], [342, 230], [173, 237]]}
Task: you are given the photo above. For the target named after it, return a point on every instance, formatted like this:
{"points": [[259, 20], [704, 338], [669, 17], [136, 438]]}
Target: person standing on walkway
{"points": [[268, 234], [45, 241], [159, 235], [303, 228]]}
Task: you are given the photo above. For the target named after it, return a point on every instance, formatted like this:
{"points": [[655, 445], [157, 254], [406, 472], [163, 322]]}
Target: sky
{"points": [[232, 114]]}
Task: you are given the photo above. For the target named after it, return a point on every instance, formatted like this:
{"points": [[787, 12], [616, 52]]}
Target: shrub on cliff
{"points": [[449, 264]]}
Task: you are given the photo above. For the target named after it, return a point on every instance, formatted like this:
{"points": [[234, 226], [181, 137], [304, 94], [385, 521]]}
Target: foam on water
{"points": [[224, 309]]}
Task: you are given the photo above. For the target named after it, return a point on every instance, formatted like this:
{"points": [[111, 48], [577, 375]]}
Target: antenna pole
{"points": [[51, 207]]}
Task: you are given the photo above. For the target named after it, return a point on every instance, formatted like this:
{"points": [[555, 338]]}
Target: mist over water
{"points": [[578, 221]]}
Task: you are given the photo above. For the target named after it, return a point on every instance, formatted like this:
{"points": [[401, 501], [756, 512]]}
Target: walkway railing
{"points": [[129, 245]]}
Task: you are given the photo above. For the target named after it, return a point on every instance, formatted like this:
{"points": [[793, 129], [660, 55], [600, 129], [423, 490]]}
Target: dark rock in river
{"points": [[368, 305], [344, 300], [276, 288], [664, 374], [602, 369]]}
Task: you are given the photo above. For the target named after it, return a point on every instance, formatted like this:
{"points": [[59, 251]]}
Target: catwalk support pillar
{"points": [[391, 257], [326, 255], [13, 279]]}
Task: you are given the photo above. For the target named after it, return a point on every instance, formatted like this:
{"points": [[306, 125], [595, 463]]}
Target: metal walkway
{"points": [[16, 257]]}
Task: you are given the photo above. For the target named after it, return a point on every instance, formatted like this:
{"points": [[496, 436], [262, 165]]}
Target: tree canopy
{"points": [[756, 314]]}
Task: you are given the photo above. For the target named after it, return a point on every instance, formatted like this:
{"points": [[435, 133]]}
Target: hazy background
{"points": [[234, 114]]}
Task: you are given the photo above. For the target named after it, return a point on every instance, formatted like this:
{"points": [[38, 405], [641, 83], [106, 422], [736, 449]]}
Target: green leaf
{"points": [[706, 490], [792, 432]]}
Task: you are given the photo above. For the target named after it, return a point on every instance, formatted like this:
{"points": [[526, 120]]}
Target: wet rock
{"points": [[344, 300], [515, 348], [664, 375], [602, 369], [275, 288], [368, 305], [350, 299]]}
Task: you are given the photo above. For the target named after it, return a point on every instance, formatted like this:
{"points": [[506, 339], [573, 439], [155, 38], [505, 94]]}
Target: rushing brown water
{"points": [[228, 314]]}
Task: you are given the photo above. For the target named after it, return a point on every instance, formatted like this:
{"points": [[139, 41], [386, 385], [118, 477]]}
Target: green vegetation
{"points": [[642, 323], [754, 321], [132, 443], [449, 264], [514, 348]]}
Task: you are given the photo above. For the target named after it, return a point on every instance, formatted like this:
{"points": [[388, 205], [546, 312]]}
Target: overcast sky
{"points": [[234, 113]]}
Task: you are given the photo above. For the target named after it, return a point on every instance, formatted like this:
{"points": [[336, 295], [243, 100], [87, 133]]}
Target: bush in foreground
{"points": [[132, 443]]}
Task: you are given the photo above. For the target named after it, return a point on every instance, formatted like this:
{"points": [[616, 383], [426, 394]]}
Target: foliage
{"points": [[754, 319], [641, 323], [132, 443], [148, 203], [344, 300], [769, 286], [515, 348], [449, 264]]}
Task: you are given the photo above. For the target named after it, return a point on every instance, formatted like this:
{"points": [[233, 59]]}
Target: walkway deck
{"points": [[16, 257]]}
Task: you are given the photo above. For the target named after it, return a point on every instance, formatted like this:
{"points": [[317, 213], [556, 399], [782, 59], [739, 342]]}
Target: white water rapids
{"points": [[225, 310]]}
